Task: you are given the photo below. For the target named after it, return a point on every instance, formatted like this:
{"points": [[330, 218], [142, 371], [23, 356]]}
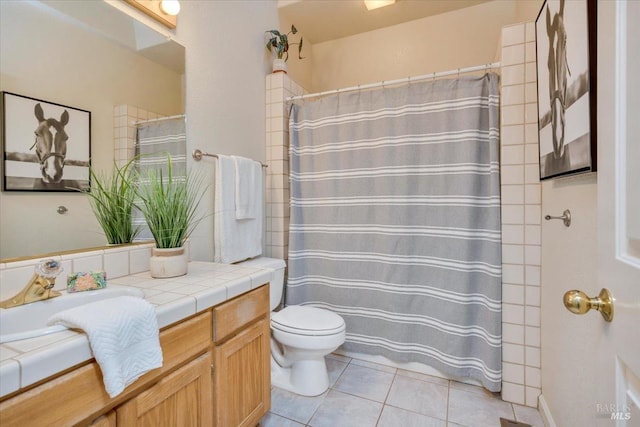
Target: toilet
{"points": [[301, 337]]}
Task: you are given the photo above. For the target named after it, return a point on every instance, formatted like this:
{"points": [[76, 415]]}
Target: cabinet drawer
{"points": [[80, 395], [233, 315]]}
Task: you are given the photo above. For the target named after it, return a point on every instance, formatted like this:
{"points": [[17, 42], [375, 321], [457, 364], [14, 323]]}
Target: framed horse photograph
{"points": [[47, 146], [566, 71]]}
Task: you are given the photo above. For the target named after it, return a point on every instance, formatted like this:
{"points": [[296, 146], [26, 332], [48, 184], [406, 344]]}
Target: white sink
{"points": [[30, 320]]}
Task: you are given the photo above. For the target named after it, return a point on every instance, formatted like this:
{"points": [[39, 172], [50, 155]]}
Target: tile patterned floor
{"points": [[364, 394]]}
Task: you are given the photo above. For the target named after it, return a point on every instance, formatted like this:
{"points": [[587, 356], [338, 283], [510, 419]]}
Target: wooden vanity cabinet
{"points": [[182, 398], [216, 371], [107, 420], [242, 374]]}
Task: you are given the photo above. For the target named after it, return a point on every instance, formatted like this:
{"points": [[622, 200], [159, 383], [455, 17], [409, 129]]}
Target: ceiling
{"points": [[324, 20], [103, 18]]}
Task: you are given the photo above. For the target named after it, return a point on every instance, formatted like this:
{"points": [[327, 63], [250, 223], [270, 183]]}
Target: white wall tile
{"points": [[512, 174], [530, 72], [532, 298], [512, 75], [512, 194], [530, 52], [513, 273], [512, 333], [512, 155], [512, 95], [87, 264], [532, 377], [532, 275], [116, 263], [512, 254], [530, 93], [532, 254], [513, 353], [532, 356], [532, 336], [532, 234], [512, 135], [532, 194], [531, 398], [512, 313], [532, 214], [531, 113], [530, 32], [531, 174], [513, 373], [531, 133], [532, 314], [513, 393], [139, 260], [513, 294], [512, 214], [512, 114], [512, 55], [531, 154], [13, 280], [513, 234]]}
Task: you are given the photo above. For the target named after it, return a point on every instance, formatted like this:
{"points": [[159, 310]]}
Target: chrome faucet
{"points": [[40, 287]]}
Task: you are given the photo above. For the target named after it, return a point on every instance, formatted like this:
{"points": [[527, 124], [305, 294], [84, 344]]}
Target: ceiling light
{"points": [[374, 4], [170, 7]]}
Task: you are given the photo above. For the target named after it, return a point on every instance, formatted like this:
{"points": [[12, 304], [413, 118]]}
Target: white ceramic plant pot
{"points": [[279, 66], [172, 262]]}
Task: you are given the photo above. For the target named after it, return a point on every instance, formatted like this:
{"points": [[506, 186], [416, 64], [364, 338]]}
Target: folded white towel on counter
{"points": [[124, 337], [234, 239], [248, 187]]}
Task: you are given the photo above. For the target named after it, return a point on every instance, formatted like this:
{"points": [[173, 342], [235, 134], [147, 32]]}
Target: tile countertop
{"points": [[28, 361]]}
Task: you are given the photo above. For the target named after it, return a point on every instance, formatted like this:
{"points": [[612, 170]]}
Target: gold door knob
{"points": [[579, 303]]}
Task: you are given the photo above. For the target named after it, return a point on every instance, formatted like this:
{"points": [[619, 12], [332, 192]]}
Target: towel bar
{"points": [[198, 154]]}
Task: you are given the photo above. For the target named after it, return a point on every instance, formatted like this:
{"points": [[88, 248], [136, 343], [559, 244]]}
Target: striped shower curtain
{"points": [[395, 221], [154, 141]]}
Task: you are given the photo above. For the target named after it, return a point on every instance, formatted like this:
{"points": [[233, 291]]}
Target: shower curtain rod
{"points": [[397, 81], [159, 119]]}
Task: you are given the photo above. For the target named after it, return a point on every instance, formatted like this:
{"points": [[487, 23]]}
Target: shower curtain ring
{"points": [[433, 78], [458, 72]]}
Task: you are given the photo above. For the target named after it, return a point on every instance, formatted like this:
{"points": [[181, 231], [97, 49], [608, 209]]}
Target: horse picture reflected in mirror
{"points": [[58, 158], [51, 149], [566, 94]]}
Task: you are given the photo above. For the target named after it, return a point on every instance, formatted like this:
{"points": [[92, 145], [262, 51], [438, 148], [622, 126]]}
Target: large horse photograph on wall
{"points": [[47, 146], [566, 67]]}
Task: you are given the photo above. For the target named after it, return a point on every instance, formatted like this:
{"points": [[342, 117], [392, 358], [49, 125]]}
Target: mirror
{"points": [[91, 56]]}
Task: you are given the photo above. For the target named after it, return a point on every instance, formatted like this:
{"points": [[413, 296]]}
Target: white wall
{"points": [[48, 58], [226, 64], [461, 38]]}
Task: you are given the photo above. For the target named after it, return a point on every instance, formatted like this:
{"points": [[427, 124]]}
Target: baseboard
{"points": [[547, 418]]}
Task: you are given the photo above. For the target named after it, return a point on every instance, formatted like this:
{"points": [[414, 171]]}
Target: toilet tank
{"points": [[276, 285]]}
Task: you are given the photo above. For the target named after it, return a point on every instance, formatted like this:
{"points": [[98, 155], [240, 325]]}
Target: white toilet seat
{"points": [[307, 321]]}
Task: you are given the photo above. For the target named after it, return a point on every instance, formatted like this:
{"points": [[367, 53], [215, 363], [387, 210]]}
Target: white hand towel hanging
{"points": [[124, 338], [234, 240], [248, 187]]}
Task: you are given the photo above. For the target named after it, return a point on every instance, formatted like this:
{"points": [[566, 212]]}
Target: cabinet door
{"points": [[107, 420], [182, 398], [242, 377]]}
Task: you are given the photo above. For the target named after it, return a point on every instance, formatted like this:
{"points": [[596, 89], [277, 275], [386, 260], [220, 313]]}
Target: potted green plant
{"points": [[169, 204], [278, 44], [111, 197]]}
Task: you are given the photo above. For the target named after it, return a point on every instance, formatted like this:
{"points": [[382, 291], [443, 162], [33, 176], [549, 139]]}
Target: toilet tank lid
{"points": [[264, 262]]}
